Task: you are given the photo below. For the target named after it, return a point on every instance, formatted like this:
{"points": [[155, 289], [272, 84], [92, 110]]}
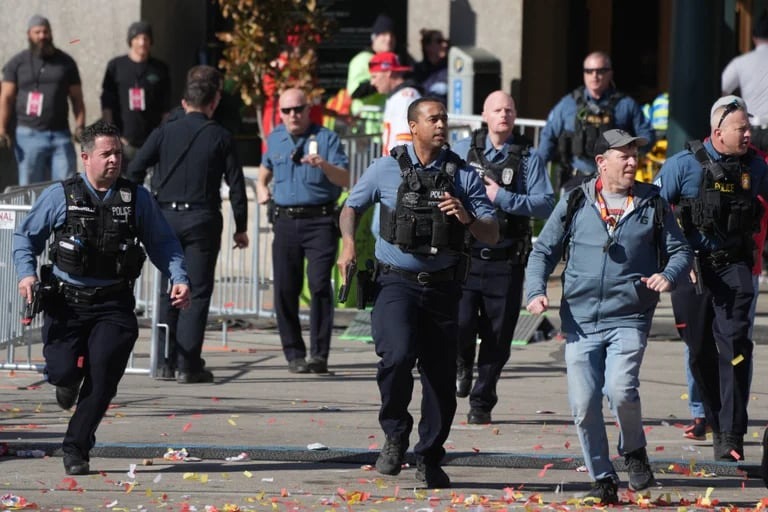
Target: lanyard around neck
{"points": [[605, 214]]}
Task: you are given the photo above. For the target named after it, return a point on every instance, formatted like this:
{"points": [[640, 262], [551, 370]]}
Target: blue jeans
{"points": [[606, 363], [695, 405], [44, 155]]}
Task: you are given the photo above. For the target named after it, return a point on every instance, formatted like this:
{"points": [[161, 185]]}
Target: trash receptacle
{"points": [[473, 73]]}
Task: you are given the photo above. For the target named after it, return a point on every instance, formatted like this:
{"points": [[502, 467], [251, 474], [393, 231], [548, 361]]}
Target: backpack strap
{"points": [[576, 200]]}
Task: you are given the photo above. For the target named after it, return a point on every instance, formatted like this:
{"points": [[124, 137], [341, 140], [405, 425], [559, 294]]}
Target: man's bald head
{"points": [[499, 114]]}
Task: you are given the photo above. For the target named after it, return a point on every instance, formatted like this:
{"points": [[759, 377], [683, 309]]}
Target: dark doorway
{"points": [[635, 48]]}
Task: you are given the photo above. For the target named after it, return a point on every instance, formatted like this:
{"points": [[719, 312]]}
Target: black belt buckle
{"points": [[179, 206], [485, 253], [423, 278]]}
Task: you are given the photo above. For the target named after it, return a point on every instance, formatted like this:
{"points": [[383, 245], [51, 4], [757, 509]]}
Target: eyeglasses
{"points": [[729, 109], [599, 71], [298, 109]]}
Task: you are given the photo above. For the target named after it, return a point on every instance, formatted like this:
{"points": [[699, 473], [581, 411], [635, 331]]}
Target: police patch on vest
{"points": [[125, 195], [507, 175], [411, 199], [746, 181]]}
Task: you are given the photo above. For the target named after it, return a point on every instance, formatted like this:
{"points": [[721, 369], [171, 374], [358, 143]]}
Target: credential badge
{"points": [[507, 175], [125, 195], [746, 181]]}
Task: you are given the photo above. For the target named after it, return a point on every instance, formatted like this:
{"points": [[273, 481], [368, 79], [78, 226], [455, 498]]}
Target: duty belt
{"points": [[305, 212], [722, 257], [180, 206], [423, 278], [89, 294], [492, 253]]}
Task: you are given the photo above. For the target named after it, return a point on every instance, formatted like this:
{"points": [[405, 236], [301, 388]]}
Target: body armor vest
{"points": [[98, 238], [417, 225], [725, 206], [591, 122], [510, 175]]}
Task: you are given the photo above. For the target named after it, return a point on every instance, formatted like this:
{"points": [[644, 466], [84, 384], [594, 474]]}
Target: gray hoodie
{"points": [[602, 288]]}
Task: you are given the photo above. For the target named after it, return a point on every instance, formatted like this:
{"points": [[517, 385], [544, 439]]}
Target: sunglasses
{"points": [[599, 71], [296, 110], [729, 109]]}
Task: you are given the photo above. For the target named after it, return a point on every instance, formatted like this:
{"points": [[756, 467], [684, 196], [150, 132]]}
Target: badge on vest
{"points": [[125, 195], [507, 175], [746, 181]]}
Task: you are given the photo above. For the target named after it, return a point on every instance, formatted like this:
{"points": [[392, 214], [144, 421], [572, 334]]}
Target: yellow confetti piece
{"points": [[684, 396], [420, 495], [190, 476], [248, 474], [148, 493], [736, 360], [204, 478], [709, 492], [232, 422]]}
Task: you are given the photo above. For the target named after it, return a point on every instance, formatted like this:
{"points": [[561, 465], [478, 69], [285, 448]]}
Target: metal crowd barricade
{"points": [[461, 125]]}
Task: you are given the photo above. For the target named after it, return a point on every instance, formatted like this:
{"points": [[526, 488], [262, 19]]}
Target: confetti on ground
{"points": [[240, 456], [316, 446], [738, 359], [172, 454], [74, 41]]}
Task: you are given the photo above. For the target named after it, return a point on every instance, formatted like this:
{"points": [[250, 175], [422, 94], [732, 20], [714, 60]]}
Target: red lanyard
{"points": [[610, 217]]}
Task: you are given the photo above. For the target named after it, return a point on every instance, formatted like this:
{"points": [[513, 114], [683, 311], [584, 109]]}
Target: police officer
{"points": [[424, 218], [309, 169], [579, 118], [191, 155], [517, 184], [714, 187], [98, 220]]}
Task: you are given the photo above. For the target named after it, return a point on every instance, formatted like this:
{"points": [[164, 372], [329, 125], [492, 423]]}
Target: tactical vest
{"points": [[592, 120], [98, 238], [725, 206], [416, 224], [510, 175]]}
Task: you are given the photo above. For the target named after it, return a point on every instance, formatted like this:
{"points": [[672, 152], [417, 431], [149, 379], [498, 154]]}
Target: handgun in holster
{"points": [[271, 211], [698, 285], [40, 291]]}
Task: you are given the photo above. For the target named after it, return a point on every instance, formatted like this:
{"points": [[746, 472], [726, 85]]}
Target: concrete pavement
{"points": [[529, 457]]}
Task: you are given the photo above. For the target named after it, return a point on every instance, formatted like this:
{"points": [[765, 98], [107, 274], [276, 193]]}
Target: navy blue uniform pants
{"points": [[715, 326], [316, 239], [199, 232], [91, 342], [489, 308], [415, 325]]}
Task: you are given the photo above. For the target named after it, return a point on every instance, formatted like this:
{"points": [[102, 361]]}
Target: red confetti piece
{"points": [[567, 444], [373, 446], [681, 326], [735, 454], [187, 427], [538, 447], [647, 429], [544, 470], [476, 450], [81, 361], [74, 41], [215, 399], [171, 416], [659, 448], [569, 459], [284, 492]]}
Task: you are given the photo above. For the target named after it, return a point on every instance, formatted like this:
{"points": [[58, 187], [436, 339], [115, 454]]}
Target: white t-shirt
{"points": [[396, 129], [749, 72]]}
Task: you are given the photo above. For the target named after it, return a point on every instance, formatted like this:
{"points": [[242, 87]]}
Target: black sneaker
{"points": [[317, 365], [75, 465], [764, 463], [639, 469], [604, 491], [66, 396], [390, 460], [432, 475], [202, 377], [298, 366], [463, 381], [478, 417]]}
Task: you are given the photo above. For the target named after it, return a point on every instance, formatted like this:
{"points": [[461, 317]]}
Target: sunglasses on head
{"points": [[296, 110], [729, 109]]}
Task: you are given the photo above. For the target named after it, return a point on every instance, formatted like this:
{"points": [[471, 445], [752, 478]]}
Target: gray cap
{"points": [[38, 21], [616, 139], [739, 104], [139, 27]]}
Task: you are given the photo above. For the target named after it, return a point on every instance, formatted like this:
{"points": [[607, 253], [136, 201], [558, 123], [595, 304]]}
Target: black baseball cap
{"points": [[616, 138]]}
